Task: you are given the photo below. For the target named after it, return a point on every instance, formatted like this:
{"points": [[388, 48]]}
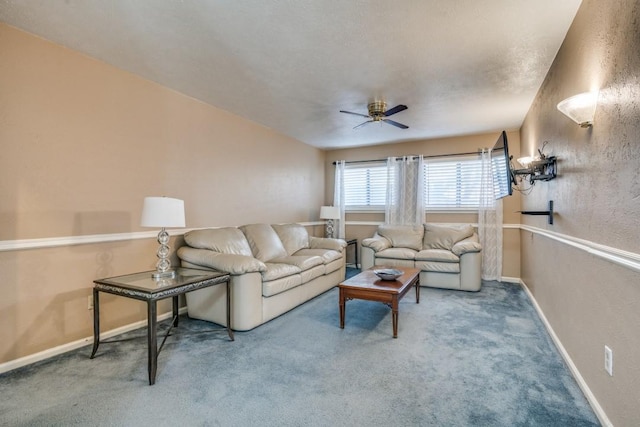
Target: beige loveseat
{"points": [[273, 269], [448, 256]]}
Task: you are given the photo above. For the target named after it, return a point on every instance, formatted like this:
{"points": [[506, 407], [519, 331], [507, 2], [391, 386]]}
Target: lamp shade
{"points": [[329, 212], [525, 161], [162, 212], [580, 108]]}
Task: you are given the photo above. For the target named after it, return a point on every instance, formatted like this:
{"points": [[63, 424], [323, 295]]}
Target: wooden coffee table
{"points": [[368, 286]]}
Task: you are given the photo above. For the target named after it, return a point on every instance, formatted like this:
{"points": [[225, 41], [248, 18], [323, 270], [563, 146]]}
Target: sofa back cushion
{"points": [[264, 241], [403, 236], [293, 236], [443, 236], [228, 240]]}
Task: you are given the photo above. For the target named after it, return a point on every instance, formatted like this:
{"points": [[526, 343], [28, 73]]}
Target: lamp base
{"points": [[329, 230], [163, 274], [163, 266]]}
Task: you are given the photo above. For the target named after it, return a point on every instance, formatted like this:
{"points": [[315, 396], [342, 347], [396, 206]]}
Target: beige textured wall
{"points": [[591, 302], [464, 144], [82, 144]]}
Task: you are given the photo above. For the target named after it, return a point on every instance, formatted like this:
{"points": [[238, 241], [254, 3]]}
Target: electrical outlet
{"points": [[90, 302], [608, 360]]}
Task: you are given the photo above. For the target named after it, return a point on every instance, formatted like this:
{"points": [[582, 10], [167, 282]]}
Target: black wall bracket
{"points": [[549, 212], [543, 169]]}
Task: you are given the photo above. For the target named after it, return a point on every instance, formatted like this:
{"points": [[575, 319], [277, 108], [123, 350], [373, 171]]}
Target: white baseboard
{"points": [[597, 409], [37, 357]]}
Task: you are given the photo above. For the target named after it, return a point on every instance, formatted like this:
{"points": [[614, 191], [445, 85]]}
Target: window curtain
{"points": [[338, 198], [489, 222], [405, 191]]}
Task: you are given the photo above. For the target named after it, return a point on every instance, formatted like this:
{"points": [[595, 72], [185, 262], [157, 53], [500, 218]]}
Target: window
{"points": [[365, 185], [451, 183]]}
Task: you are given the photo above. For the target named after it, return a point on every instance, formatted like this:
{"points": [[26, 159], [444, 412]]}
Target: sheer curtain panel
{"points": [[489, 223], [339, 197], [405, 191]]}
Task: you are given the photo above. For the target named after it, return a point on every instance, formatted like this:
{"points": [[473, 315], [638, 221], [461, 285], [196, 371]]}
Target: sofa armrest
{"points": [[377, 243], [466, 246], [230, 263], [367, 258], [327, 243]]}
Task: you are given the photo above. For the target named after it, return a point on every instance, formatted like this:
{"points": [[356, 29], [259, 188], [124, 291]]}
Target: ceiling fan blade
{"points": [[396, 124], [355, 114], [395, 109], [362, 124]]}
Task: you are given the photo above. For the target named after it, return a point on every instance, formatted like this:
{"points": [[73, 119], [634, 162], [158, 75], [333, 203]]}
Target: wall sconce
{"points": [[329, 213], [539, 168], [580, 108]]}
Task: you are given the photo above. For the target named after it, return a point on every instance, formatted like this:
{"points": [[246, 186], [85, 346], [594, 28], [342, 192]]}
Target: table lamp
{"points": [[329, 213], [163, 212]]}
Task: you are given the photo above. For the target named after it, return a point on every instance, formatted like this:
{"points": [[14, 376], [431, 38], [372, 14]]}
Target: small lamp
{"points": [[539, 168], [329, 213], [525, 161], [163, 212], [580, 108]]}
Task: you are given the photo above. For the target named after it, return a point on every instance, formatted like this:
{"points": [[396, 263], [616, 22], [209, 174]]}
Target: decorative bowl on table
{"points": [[388, 273]]}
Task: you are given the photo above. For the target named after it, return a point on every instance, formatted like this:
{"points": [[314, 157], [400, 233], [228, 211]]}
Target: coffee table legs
{"points": [[394, 315], [347, 294], [342, 308]]}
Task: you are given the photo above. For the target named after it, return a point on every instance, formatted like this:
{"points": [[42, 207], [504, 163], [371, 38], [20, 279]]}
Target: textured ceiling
{"points": [[461, 66]]}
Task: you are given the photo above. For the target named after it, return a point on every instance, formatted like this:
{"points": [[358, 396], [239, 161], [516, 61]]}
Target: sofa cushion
{"points": [[438, 267], [377, 243], [302, 262], [327, 255], [333, 266], [327, 243], [274, 287], [403, 236], [277, 271], [293, 236], [441, 255], [444, 237], [227, 240], [466, 246], [263, 241], [231, 263], [312, 273], [397, 253]]}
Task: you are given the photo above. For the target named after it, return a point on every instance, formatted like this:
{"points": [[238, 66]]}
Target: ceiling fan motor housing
{"points": [[377, 109]]}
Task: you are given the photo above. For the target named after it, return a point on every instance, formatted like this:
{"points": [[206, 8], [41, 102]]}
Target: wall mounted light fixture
{"points": [[580, 108], [538, 168]]}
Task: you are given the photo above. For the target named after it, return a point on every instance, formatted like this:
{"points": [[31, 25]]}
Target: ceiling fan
{"points": [[379, 113]]}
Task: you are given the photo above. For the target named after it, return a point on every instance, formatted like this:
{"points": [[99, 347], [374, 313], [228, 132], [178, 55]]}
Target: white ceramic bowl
{"points": [[388, 273]]}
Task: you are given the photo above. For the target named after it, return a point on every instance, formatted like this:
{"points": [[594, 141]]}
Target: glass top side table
{"points": [[143, 287]]}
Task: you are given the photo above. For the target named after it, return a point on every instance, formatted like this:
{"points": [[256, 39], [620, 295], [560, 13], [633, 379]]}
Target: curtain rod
{"points": [[426, 157]]}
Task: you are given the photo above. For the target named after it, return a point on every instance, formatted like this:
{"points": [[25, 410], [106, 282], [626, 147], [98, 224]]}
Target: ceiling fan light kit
{"points": [[378, 113]]}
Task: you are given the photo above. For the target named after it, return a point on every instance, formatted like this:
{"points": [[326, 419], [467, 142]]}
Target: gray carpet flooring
{"points": [[461, 359]]}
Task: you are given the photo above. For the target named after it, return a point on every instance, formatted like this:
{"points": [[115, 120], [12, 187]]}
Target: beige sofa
{"points": [[273, 269], [448, 256]]}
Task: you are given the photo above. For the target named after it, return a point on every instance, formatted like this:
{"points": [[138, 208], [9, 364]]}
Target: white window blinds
{"points": [[451, 183], [365, 185]]}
